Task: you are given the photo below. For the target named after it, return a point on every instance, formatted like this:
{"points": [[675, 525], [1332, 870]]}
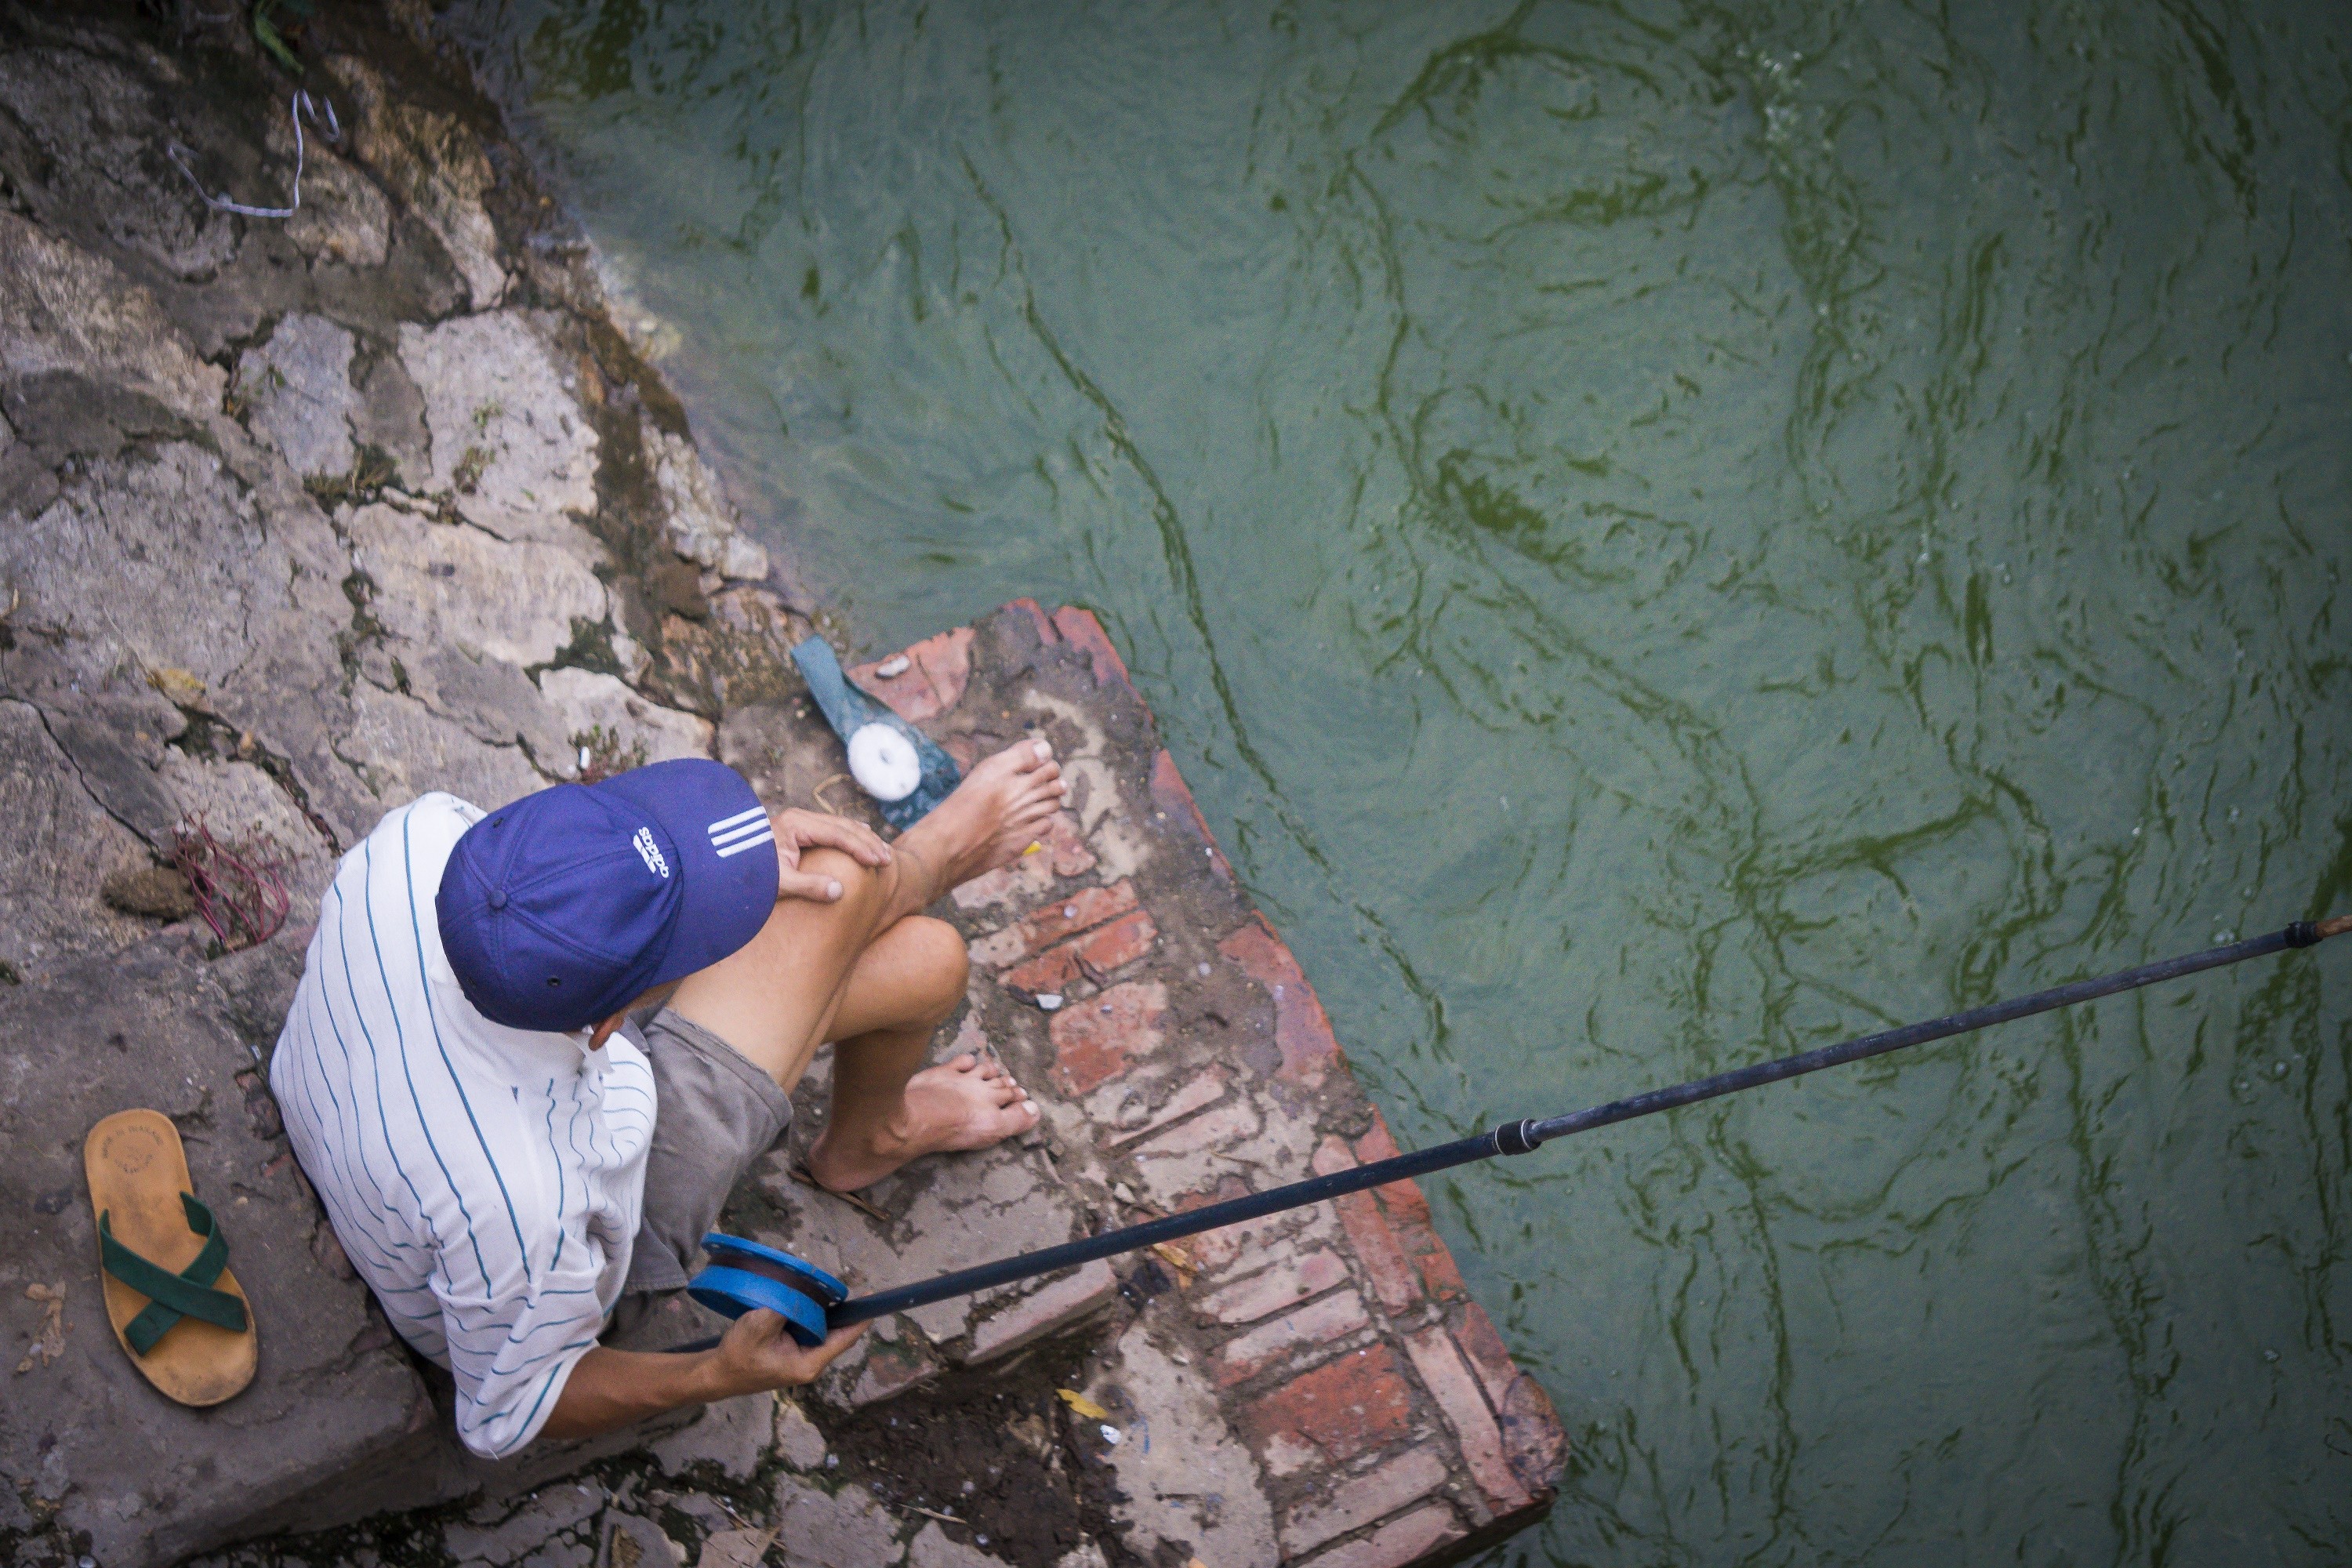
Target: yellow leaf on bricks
{"points": [[1082, 1404], [1177, 1258]]}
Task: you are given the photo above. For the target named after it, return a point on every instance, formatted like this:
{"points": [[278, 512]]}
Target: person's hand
{"points": [[797, 830], [760, 1353]]}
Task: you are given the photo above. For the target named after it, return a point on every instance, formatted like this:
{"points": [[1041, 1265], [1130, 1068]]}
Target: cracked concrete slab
{"points": [[733, 1435], [60, 847], [165, 559], [798, 1441], [296, 390], [510, 443], [501, 1540], [64, 309], [435, 166], [161, 564], [140, 1476], [699, 521], [96, 123], [495, 701], [114, 726], [241, 803], [835, 1530], [585, 701], [935, 1548], [391, 415], [399, 749], [1191, 1487], [433, 584]]}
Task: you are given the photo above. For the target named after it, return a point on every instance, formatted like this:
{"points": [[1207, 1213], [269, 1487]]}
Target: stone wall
{"points": [[298, 519]]}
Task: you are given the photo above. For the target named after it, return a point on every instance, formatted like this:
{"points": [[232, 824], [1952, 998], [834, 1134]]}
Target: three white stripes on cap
{"points": [[744, 830]]}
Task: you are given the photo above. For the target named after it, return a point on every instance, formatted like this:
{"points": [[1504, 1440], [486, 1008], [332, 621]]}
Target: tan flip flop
{"points": [[178, 1314]]}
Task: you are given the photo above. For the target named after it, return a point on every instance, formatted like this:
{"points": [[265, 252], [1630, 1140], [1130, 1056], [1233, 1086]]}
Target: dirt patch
{"points": [[1000, 1453]]}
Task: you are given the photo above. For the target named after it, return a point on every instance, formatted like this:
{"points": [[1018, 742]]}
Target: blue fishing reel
{"points": [[743, 1275]]}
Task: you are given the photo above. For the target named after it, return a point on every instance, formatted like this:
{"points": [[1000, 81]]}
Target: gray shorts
{"points": [[715, 1114]]}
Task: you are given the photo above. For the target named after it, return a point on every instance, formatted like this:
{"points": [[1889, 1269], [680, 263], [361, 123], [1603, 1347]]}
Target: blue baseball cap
{"points": [[559, 909]]}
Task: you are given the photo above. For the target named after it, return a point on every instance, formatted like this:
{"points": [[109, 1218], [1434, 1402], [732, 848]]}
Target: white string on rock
{"points": [[300, 106]]}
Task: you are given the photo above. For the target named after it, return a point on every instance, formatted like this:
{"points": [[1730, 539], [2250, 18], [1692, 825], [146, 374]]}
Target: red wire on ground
{"points": [[240, 887]]}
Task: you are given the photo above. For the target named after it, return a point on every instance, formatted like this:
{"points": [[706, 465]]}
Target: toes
{"points": [[1042, 780], [992, 1069], [965, 1063]]}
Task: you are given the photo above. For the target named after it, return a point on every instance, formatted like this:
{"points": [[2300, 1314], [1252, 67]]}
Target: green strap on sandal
{"points": [[171, 1297]]}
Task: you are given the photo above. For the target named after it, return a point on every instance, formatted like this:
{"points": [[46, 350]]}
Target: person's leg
{"points": [[887, 1107], [859, 971], [774, 998]]}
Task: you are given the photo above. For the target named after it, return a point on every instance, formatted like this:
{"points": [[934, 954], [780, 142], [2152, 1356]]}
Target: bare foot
{"points": [[966, 1103], [994, 816]]}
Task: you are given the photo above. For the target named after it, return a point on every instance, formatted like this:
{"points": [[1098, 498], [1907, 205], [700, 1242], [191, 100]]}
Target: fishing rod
{"points": [[744, 1274]]}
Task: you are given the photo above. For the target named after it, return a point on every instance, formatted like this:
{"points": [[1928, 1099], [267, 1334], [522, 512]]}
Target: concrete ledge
{"points": [[93, 1448], [1331, 1361]]}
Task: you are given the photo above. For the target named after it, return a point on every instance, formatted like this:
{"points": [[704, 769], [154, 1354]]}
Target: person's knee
{"points": [[864, 888], [937, 963]]}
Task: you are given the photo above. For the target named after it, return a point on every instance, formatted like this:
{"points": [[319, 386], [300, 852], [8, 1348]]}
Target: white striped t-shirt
{"points": [[486, 1181]]}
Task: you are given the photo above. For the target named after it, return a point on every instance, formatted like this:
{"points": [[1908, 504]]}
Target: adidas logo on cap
{"points": [[650, 852], [744, 830]]}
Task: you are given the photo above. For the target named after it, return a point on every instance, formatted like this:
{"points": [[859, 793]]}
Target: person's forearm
{"points": [[610, 1389]]}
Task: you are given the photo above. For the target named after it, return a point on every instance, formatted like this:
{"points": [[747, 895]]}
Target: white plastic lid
{"points": [[885, 762]]}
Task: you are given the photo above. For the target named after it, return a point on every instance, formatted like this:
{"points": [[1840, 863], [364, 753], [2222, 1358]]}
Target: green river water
{"points": [[1662, 535]]}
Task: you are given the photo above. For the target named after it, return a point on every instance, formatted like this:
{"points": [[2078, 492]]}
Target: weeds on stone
{"points": [[478, 456], [238, 401], [280, 37], [371, 470], [239, 886], [602, 755], [466, 476]]}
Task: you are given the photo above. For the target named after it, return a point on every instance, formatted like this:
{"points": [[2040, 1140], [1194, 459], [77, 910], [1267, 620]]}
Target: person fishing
{"points": [[517, 1169]]}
